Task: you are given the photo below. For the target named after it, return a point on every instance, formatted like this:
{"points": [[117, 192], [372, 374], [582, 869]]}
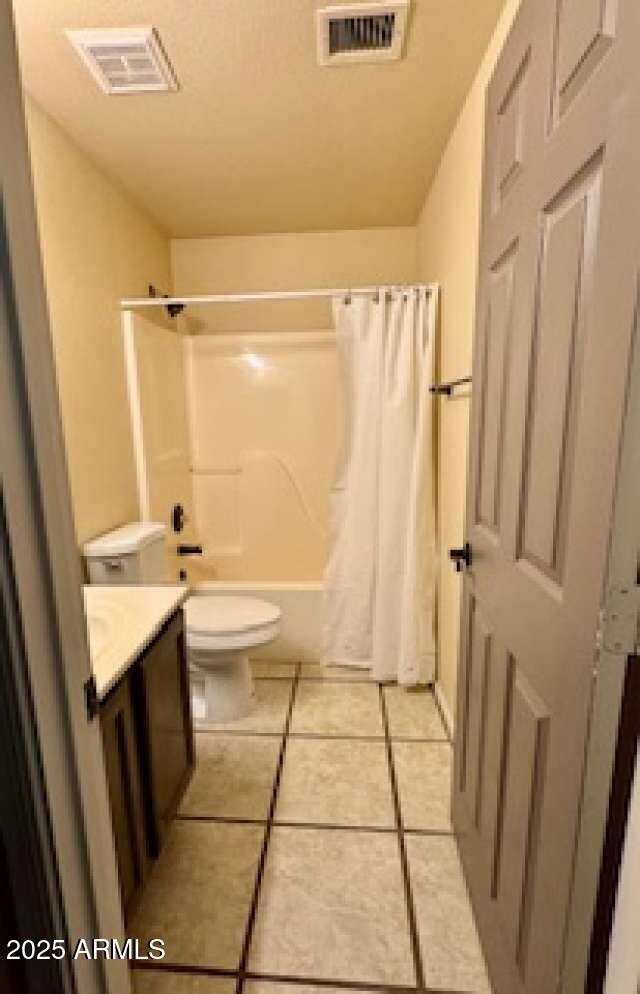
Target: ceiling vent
{"points": [[127, 60], [363, 32]]}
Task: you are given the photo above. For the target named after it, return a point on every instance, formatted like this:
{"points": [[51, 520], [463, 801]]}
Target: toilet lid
{"points": [[212, 615]]}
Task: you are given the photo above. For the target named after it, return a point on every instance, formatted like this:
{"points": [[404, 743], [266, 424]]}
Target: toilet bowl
{"points": [[221, 632]]}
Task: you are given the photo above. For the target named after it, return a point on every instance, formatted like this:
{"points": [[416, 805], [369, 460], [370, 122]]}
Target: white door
{"points": [[556, 316]]}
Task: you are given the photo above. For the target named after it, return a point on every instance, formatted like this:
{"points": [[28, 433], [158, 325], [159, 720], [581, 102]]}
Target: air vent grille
{"points": [[361, 34], [125, 61], [368, 32]]}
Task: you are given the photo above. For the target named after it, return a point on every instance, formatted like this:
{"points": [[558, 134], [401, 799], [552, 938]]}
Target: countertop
{"points": [[122, 621]]}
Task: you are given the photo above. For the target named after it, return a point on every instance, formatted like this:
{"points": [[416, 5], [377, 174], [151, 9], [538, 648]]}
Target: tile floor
{"points": [[313, 850]]}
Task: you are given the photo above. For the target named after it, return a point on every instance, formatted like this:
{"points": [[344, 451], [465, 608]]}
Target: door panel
{"points": [[511, 132], [494, 389], [525, 732], [478, 664], [564, 296], [559, 271], [586, 30]]}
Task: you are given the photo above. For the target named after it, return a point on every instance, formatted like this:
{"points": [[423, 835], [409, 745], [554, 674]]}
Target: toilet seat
{"points": [[217, 623]]}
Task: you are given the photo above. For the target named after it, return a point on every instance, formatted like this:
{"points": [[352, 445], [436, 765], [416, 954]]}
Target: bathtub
{"points": [[301, 605]]}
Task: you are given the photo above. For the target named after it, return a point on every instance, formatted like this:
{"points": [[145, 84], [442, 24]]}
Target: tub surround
{"points": [[261, 487], [122, 622]]}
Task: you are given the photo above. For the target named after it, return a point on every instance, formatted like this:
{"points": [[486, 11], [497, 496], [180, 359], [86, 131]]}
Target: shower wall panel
{"points": [[266, 421]]}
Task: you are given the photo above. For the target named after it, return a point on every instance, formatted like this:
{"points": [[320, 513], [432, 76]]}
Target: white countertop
{"points": [[122, 621]]}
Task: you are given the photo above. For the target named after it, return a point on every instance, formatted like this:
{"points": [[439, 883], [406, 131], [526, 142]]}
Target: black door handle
{"points": [[461, 557]]}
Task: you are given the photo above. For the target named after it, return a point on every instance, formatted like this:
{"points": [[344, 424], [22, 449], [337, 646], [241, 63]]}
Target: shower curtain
{"points": [[380, 577]]}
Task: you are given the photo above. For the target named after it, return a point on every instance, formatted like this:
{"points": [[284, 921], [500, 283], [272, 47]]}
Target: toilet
{"points": [[221, 631]]}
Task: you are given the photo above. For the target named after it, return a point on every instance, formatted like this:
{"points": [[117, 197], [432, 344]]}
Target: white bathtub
{"points": [[301, 606]]}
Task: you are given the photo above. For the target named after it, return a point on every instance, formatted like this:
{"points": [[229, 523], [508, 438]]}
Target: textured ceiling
{"points": [[260, 138]]}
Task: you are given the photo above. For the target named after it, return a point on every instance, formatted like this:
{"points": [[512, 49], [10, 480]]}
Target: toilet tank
{"points": [[131, 554]]}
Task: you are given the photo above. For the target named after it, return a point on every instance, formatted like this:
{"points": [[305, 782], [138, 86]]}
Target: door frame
{"points": [[46, 567], [612, 743], [623, 967], [30, 899]]}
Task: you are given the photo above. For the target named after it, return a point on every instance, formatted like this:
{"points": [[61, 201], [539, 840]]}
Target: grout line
{"points": [[240, 732], [326, 827], [321, 826], [319, 679], [445, 723], [244, 956], [161, 966], [411, 913], [319, 735], [367, 738], [349, 985], [337, 680], [222, 819], [427, 741], [337, 738]]}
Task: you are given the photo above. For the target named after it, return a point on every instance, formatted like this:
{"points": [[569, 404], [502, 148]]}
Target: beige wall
{"points": [[97, 247], [448, 242], [288, 262]]}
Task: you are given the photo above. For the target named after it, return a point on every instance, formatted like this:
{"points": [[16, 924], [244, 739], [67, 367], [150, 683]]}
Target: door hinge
{"points": [[618, 628], [91, 697]]}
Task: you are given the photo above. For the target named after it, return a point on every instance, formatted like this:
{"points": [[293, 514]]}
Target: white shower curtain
{"points": [[380, 577]]}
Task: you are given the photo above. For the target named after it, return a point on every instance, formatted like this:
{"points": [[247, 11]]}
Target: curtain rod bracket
{"points": [[173, 309]]}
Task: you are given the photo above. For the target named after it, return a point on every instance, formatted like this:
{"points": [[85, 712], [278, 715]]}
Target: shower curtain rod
{"points": [[239, 298]]}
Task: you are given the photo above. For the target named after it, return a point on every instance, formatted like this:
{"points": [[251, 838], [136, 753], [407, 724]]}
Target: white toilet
{"points": [[220, 631]]}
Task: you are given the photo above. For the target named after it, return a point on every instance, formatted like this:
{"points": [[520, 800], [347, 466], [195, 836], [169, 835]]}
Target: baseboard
{"points": [[447, 717]]}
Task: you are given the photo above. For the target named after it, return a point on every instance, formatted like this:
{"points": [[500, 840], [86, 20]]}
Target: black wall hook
{"points": [[447, 389]]}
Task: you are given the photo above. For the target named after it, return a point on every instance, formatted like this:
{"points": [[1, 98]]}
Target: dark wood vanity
{"points": [[147, 733]]}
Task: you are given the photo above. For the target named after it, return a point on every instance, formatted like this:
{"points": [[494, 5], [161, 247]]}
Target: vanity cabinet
{"points": [[147, 733], [162, 685], [124, 780]]}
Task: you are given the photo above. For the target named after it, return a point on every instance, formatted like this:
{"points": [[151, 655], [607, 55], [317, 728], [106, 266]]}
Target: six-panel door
{"points": [[558, 292]]}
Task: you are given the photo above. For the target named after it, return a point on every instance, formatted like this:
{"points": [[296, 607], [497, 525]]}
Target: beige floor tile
{"points": [[198, 895], [268, 709], [413, 714], [317, 671], [423, 772], [263, 669], [332, 906], [449, 942], [233, 777], [162, 982], [337, 709], [270, 987], [336, 782]]}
